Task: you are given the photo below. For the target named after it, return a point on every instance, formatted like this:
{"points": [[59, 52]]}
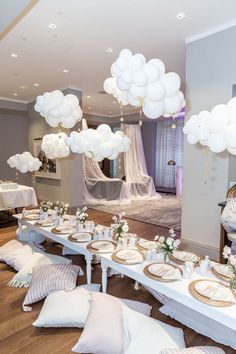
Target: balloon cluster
{"points": [[54, 145], [215, 129], [99, 143], [59, 109], [146, 84], [111, 88], [24, 162]]}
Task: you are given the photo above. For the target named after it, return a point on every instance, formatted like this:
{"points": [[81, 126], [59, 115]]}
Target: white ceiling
{"points": [[85, 28]]}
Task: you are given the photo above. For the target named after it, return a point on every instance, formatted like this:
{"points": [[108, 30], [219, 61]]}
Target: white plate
{"points": [[103, 245], [45, 223], [186, 256], [224, 270], [165, 271], [148, 245], [214, 291], [32, 216], [82, 236], [64, 228], [129, 255]]}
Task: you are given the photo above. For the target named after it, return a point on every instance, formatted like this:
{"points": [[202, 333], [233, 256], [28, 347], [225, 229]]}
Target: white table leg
{"points": [[19, 237], [88, 258], [104, 278], [136, 285], [122, 276]]}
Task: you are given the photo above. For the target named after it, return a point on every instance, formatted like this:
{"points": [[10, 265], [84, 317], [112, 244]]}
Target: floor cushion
{"points": [[9, 247], [194, 350]]}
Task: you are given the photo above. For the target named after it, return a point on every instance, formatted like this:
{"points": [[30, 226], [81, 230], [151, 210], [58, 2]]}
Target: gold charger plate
{"points": [[49, 224], [220, 276], [179, 261], [30, 218], [93, 250], [142, 248], [72, 239], [123, 261], [205, 299], [158, 278], [55, 231]]}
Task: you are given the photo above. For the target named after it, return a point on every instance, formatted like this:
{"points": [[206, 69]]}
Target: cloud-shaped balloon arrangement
{"points": [[99, 143], [215, 129], [24, 162], [54, 145], [58, 109], [146, 84]]}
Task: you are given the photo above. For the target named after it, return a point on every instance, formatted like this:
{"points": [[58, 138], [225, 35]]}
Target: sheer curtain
{"points": [[169, 146]]}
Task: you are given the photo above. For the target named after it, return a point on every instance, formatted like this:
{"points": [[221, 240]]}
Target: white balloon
{"points": [[133, 101], [191, 138], [122, 63], [138, 91], [104, 130], [121, 84], [216, 143], [125, 53], [109, 85], [159, 64], [114, 70], [127, 76], [105, 149], [172, 104], [140, 78], [152, 71], [171, 82], [156, 91], [137, 62], [230, 135], [232, 105], [152, 109], [232, 151]]}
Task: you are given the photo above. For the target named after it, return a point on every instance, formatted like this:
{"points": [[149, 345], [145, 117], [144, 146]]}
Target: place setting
{"points": [[101, 246], [212, 292], [222, 271], [163, 272], [81, 237], [181, 257], [128, 256], [45, 223], [146, 245], [62, 229]]}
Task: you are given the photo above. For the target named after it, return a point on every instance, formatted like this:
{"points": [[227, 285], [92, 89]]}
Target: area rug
{"points": [[165, 212]]}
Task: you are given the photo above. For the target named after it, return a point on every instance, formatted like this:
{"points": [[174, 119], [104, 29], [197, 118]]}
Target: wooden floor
{"points": [[17, 335]]}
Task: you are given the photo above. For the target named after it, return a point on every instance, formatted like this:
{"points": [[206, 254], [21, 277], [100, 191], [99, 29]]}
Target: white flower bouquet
{"points": [[45, 205], [120, 225], [80, 213], [232, 263], [61, 208], [167, 245]]}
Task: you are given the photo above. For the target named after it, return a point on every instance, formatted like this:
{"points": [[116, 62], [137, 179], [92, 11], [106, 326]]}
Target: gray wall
{"points": [[210, 74], [13, 140], [68, 188]]}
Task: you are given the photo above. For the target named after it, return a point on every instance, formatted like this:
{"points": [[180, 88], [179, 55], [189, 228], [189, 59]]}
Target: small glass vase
{"points": [[60, 219], [166, 257], [233, 283]]}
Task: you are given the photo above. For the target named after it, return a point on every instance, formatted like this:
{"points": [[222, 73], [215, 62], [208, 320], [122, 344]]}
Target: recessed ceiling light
{"points": [[15, 94], [180, 15], [14, 55], [36, 84], [52, 26], [109, 50], [65, 71], [110, 112], [89, 108], [114, 102], [22, 87], [88, 96]]}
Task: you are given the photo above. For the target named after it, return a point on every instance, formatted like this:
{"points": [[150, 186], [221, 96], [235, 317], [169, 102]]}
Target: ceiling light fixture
{"points": [[180, 15], [110, 112], [52, 26], [22, 87], [88, 96], [65, 71], [14, 55], [114, 102], [36, 84], [89, 108], [15, 94], [109, 50]]}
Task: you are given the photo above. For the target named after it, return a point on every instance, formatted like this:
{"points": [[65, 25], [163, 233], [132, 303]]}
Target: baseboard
{"points": [[200, 248]]}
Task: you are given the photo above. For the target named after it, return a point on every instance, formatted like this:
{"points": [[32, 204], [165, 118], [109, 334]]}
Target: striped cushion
{"points": [[8, 248], [48, 278], [194, 350]]}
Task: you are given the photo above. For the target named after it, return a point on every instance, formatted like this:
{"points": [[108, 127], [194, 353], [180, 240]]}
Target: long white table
{"points": [[22, 196], [176, 291]]}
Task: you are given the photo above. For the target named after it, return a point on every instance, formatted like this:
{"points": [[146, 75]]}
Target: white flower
{"points": [[226, 252], [176, 243], [125, 228], [156, 238], [161, 239], [232, 260], [169, 241]]}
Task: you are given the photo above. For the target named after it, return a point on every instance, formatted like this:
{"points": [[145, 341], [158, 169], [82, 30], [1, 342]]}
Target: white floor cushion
{"points": [[24, 276], [143, 334], [66, 308]]}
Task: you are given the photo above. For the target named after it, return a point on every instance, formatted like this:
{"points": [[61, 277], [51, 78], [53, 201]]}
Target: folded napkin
{"points": [[165, 271], [147, 244], [103, 246], [64, 228], [185, 256], [130, 256], [224, 270], [31, 211], [48, 222], [32, 216], [215, 291]]}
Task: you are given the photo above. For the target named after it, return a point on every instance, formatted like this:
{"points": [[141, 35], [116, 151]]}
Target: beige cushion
{"points": [[232, 236], [194, 350]]}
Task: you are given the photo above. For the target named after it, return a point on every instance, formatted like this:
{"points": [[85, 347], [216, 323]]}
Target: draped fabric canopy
{"points": [[99, 189]]}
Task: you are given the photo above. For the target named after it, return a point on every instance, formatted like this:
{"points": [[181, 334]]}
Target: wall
{"points": [[13, 140], [68, 188], [210, 73], [148, 130]]}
